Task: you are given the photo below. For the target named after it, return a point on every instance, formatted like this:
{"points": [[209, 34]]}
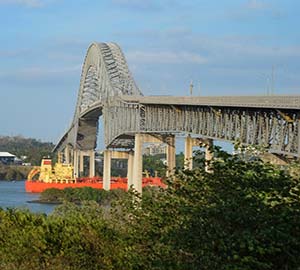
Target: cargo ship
{"points": [[60, 176]]}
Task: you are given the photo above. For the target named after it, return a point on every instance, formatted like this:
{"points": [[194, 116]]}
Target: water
{"points": [[13, 195]]}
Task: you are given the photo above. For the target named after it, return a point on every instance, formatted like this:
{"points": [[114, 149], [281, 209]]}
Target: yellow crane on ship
{"points": [[59, 173]]}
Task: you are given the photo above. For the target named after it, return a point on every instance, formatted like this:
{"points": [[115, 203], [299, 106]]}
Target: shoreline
{"points": [[44, 202]]}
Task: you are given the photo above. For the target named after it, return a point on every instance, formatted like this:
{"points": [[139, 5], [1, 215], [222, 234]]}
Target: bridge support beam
{"points": [[137, 172], [298, 123], [67, 154], [129, 156], [92, 163], [171, 155], [108, 156], [75, 163], [137, 167], [208, 154], [188, 153], [106, 169], [81, 155], [72, 156], [130, 169]]}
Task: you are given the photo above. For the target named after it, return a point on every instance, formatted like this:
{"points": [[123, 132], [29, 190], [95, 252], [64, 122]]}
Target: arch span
{"points": [[105, 74]]}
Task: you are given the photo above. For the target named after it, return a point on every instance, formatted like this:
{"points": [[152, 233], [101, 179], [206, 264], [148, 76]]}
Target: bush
{"points": [[12, 172], [78, 195], [242, 215]]}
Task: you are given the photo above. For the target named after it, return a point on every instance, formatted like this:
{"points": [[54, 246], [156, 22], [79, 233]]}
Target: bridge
{"points": [[108, 90]]}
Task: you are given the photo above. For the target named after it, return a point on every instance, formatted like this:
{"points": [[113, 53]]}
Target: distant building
{"points": [[18, 161], [7, 158], [26, 164], [154, 149]]}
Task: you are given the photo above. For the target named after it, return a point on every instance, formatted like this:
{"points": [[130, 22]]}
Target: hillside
{"points": [[33, 149]]}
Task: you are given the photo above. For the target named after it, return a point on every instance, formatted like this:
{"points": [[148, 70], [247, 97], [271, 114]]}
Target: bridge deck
{"points": [[278, 102], [108, 89]]}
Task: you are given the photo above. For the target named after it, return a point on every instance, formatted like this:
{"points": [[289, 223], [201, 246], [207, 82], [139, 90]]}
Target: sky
{"points": [[226, 47]]}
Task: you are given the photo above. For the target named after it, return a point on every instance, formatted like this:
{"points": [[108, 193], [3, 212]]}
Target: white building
{"points": [[154, 149], [7, 158]]}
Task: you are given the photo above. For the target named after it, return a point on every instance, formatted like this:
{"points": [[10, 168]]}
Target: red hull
{"points": [[37, 187]]}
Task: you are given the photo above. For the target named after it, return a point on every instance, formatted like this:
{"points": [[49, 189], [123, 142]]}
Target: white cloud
{"points": [[165, 57], [28, 3]]}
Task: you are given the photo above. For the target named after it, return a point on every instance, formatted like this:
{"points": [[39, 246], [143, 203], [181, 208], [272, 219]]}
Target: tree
{"points": [[33, 149], [154, 163], [242, 215]]}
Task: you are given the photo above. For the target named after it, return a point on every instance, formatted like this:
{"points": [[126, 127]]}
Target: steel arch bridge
{"points": [[105, 75], [108, 89]]}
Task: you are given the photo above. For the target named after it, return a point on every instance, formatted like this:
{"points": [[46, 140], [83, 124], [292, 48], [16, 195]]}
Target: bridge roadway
{"points": [[108, 90], [271, 102]]}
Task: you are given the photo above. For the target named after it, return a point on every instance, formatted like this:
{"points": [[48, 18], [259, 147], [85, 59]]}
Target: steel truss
{"points": [[277, 130], [107, 88]]}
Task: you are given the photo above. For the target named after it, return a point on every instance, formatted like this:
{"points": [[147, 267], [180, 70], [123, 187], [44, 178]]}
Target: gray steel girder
{"points": [[107, 89], [277, 130]]}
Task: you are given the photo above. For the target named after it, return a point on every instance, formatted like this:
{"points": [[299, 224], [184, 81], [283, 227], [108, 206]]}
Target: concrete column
{"points": [[72, 156], [81, 162], [171, 155], [298, 122], [208, 153], [75, 163], [67, 154], [60, 157], [130, 169], [106, 169], [92, 163], [188, 153], [137, 174]]}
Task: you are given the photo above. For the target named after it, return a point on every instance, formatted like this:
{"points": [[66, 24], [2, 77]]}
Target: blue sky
{"points": [[225, 47]]}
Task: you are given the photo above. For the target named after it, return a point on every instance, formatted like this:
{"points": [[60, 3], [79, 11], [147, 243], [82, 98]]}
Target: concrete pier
{"points": [[188, 151], [106, 169], [81, 155], [67, 154], [130, 169], [137, 172], [75, 163], [171, 155], [208, 154], [92, 163]]}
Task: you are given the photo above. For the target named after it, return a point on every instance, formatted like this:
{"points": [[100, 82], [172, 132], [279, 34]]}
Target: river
{"points": [[13, 195]]}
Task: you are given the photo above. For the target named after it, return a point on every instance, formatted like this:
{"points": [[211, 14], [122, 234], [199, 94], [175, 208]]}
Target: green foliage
{"points": [[154, 163], [75, 237], [241, 215], [294, 169], [11, 172], [179, 160], [78, 195], [52, 195], [19, 146]]}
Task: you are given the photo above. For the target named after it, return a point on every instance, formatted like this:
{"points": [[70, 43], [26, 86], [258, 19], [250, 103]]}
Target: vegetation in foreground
{"points": [[79, 195], [242, 215]]}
